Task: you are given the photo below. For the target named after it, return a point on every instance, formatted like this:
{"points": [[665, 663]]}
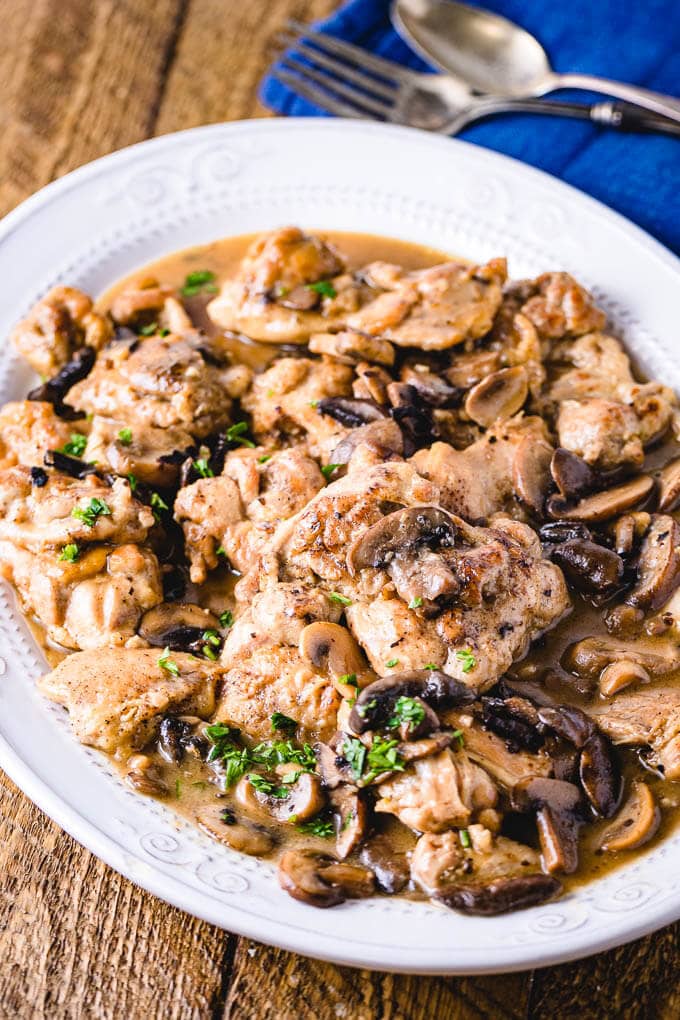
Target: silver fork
{"points": [[351, 82]]}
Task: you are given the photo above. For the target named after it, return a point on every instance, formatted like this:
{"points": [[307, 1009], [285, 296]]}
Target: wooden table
{"points": [[79, 78]]}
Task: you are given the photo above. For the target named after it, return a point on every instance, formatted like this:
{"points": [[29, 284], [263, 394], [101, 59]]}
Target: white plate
{"points": [[109, 217]]}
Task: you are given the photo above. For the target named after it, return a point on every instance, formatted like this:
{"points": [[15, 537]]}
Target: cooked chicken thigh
{"points": [[58, 326]]}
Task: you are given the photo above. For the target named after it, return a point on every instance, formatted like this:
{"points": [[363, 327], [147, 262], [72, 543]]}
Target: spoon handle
{"points": [[667, 106], [620, 116]]}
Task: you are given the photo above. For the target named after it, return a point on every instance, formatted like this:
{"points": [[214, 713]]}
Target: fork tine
{"points": [[344, 70], [315, 96], [368, 61], [340, 88]]}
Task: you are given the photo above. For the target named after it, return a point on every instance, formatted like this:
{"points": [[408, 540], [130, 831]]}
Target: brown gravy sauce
{"points": [[187, 783]]}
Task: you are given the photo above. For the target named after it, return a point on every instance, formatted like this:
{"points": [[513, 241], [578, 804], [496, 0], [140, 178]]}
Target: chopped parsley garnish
{"points": [[234, 434], [466, 659], [226, 618], [70, 553], [354, 753], [201, 281], [264, 458], [408, 711], [149, 330], [464, 837], [283, 752], [132, 479], [382, 757], [319, 826], [350, 679], [368, 707], [220, 551], [283, 723], [323, 287], [75, 446], [225, 748], [328, 469], [203, 468], [392, 662], [125, 436], [178, 789], [415, 603], [168, 664], [313, 403], [265, 786], [335, 596], [157, 504], [212, 644], [459, 737], [430, 666], [89, 514], [237, 759]]}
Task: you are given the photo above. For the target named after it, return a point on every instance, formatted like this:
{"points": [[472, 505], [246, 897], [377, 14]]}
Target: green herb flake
{"points": [[430, 666], [323, 287], [209, 653], [459, 737], [220, 551], [89, 514], [382, 757], [125, 436], [75, 446], [157, 503], [178, 789], [354, 753], [328, 469], [226, 618], [132, 479], [335, 596], [466, 659], [200, 281], [149, 330], [70, 553], [415, 603], [283, 723], [264, 458], [234, 434], [407, 711], [391, 663], [267, 787], [203, 468], [363, 710], [320, 826], [350, 679], [313, 403], [464, 837], [168, 664]]}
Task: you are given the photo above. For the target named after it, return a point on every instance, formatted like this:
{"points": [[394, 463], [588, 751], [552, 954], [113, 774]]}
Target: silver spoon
{"points": [[499, 58]]}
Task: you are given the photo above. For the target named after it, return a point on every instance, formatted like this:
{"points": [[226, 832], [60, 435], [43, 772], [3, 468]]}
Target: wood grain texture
{"points": [[79, 78]]}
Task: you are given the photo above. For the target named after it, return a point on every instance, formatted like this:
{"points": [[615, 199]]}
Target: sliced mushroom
{"points": [[388, 864], [558, 816], [54, 390], [375, 704], [588, 567], [669, 486], [531, 472], [599, 775], [245, 836], [515, 720], [572, 476], [467, 369], [412, 414], [300, 299], [621, 674], [401, 532], [351, 819], [588, 657], [601, 506], [556, 532], [414, 750], [72, 466], [332, 766], [501, 896], [350, 412], [144, 777], [173, 735], [332, 649], [304, 798], [568, 722], [177, 625], [321, 880], [498, 396], [434, 389], [658, 570], [350, 348], [383, 436], [636, 822]]}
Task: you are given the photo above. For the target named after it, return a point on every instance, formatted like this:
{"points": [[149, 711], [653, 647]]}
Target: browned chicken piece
{"points": [[239, 510], [68, 510], [144, 451], [96, 601], [603, 414], [559, 307], [491, 752], [162, 382], [353, 348], [507, 595], [432, 309], [145, 302], [56, 327], [283, 402], [505, 470], [275, 678], [116, 697], [28, 428], [439, 861], [441, 792], [645, 716], [289, 285]]}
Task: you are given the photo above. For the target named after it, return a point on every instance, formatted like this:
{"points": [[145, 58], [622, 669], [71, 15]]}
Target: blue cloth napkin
{"points": [[636, 174]]}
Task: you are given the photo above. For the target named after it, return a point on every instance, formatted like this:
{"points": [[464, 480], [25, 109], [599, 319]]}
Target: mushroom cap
{"points": [[658, 567], [401, 532], [601, 506], [247, 836], [389, 865], [669, 486], [635, 824], [531, 472], [350, 411], [501, 895], [589, 567], [331, 648], [571, 474], [558, 807], [497, 396], [375, 704], [600, 778], [321, 880], [176, 625], [351, 815]]}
